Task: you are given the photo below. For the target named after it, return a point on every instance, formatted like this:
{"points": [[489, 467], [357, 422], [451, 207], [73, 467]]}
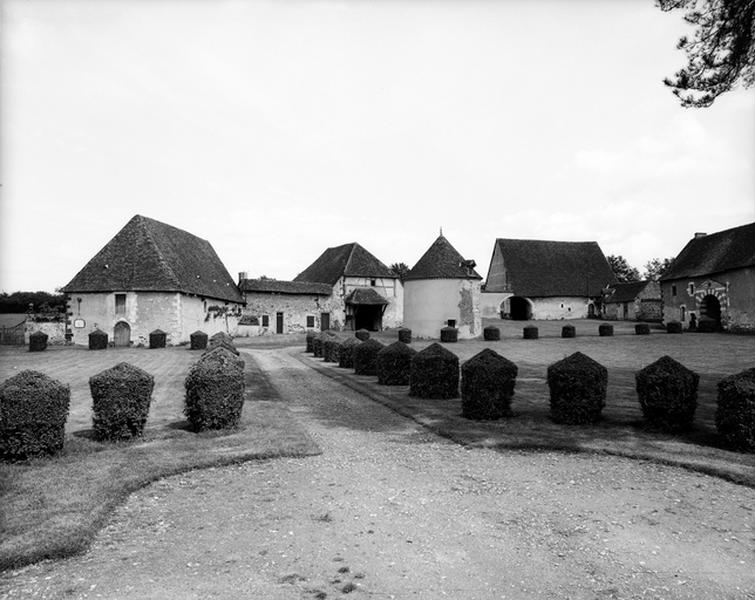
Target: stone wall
{"points": [[430, 303], [491, 302], [560, 307], [295, 308], [55, 330]]}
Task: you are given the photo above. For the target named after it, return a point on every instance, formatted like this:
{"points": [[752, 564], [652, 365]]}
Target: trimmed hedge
{"points": [[157, 339], [487, 386], [568, 331], [98, 340], [362, 335], [121, 397], [577, 386], [346, 355], [318, 343], [405, 335], [365, 357], [642, 329], [673, 327], [215, 391], [394, 363], [735, 414], [331, 349], [449, 335], [33, 413], [220, 343], [530, 332], [667, 391], [309, 340], [434, 373], [38, 342], [605, 330], [198, 340], [491, 334]]}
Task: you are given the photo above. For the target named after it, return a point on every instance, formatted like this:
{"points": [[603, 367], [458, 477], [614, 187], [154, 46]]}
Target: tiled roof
{"points": [[147, 255], [442, 261], [626, 291], [364, 296], [542, 268], [715, 253], [349, 260], [276, 286]]}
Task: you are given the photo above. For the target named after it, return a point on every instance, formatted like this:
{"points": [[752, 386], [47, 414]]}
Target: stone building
{"points": [[274, 306], [633, 301], [713, 278], [442, 289], [152, 276], [365, 294], [540, 279]]}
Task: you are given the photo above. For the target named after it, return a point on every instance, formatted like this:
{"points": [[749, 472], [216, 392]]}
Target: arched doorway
{"points": [[122, 334], [521, 309], [710, 311]]}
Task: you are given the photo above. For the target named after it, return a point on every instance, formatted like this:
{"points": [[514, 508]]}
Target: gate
{"points": [[12, 336]]}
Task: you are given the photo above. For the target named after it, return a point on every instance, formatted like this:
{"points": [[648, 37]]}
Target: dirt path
{"points": [[392, 511]]}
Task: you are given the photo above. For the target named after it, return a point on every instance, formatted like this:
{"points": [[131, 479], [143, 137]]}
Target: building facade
{"points": [[633, 301]]}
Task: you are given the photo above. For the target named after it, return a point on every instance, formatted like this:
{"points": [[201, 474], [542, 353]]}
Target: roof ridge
{"points": [[145, 222], [347, 264]]}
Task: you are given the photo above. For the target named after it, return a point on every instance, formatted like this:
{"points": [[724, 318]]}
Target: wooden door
{"points": [[324, 321], [122, 334], [279, 322]]}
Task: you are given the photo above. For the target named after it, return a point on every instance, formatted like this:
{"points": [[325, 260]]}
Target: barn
{"points": [[541, 279], [152, 276], [712, 281], [633, 301], [443, 289]]}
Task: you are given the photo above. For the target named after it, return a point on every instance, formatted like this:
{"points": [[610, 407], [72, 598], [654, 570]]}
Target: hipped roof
{"points": [[348, 260], [364, 296], [442, 261], [722, 251], [147, 255], [285, 287], [625, 291], [544, 268]]}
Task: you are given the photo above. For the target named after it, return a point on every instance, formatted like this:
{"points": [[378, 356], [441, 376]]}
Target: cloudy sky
{"points": [[278, 129]]}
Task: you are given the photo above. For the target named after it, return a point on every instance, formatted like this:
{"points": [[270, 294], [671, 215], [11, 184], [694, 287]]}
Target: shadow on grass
{"points": [[532, 429], [52, 508]]}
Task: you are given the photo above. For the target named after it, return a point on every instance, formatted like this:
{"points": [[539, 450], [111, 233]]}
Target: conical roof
{"points": [[442, 261]]}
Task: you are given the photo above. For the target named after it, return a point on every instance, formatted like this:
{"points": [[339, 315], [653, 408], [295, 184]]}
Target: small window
{"points": [[372, 282], [265, 320], [682, 314], [310, 321], [120, 304], [691, 289], [673, 289]]}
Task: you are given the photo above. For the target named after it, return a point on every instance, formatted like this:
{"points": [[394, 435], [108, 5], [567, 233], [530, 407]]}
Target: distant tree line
{"points": [[18, 302], [654, 268]]}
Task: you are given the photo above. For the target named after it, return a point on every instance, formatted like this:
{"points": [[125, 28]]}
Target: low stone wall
{"points": [[55, 330]]}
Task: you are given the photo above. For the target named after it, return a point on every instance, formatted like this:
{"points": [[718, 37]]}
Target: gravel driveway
{"points": [[390, 510]]}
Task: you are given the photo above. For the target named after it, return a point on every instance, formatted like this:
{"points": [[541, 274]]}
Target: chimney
{"points": [[700, 234], [242, 276]]}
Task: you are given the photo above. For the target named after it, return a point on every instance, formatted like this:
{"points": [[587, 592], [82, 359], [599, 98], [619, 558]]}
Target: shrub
{"points": [[673, 327], [667, 391], [38, 342], [405, 335], [434, 373], [487, 386], [577, 386], [221, 343], [491, 334], [449, 335], [642, 329], [318, 343], [346, 355], [120, 401], [365, 357], [215, 391], [157, 339], [221, 338], [530, 332], [97, 340], [393, 364], [568, 331], [331, 349], [735, 414], [33, 413], [362, 334], [310, 340], [605, 330], [198, 340]]}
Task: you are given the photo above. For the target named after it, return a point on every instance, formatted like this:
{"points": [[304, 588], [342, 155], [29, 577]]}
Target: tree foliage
{"points": [[18, 302], [400, 270], [721, 53], [656, 267], [621, 269]]}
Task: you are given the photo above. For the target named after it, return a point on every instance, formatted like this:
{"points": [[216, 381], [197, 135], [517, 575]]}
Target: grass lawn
{"points": [[53, 507], [620, 431]]}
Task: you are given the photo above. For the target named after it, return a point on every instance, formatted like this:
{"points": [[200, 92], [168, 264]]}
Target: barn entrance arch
{"points": [[520, 308], [710, 307], [122, 334]]}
